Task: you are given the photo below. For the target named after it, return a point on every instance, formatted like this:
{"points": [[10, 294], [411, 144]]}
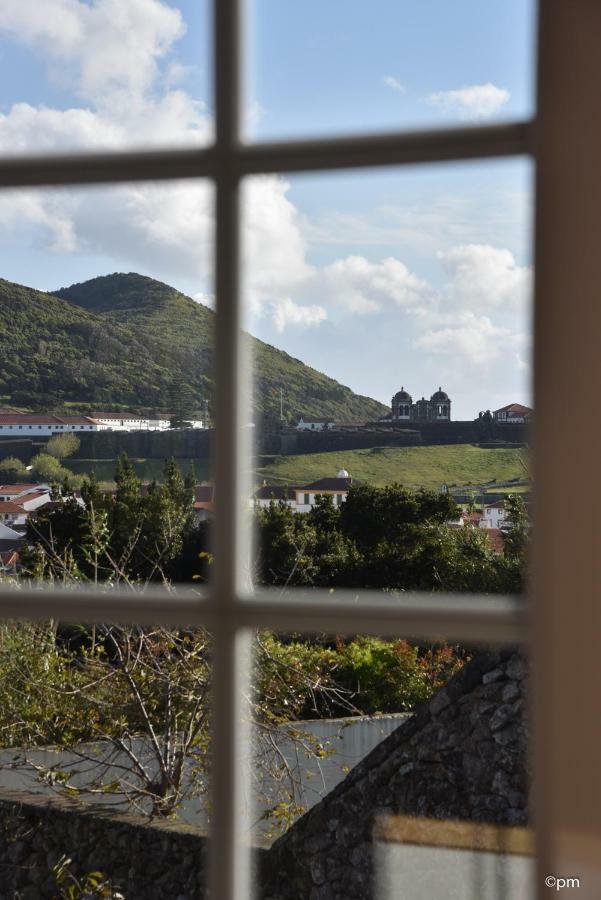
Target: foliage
{"points": [[126, 537], [390, 676], [48, 468], [516, 537], [12, 470], [124, 340], [92, 884], [380, 538], [62, 445]]}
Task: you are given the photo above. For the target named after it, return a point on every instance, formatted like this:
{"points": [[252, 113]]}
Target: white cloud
{"points": [[473, 339], [481, 277], [286, 312], [358, 286], [114, 47], [274, 247], [394, 84], [477, 101]]}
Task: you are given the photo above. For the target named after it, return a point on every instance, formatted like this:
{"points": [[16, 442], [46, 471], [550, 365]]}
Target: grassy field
{"points": [[146, 469], [455, 464]]}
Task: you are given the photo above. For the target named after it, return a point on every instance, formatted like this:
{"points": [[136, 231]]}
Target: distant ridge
{"points": [[128, 340]]}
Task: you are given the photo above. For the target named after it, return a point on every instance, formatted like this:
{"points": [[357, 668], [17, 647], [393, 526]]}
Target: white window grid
{"points": [[568, 39]]}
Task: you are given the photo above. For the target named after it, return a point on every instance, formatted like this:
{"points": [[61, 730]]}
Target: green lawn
{"points": [[146, 469], [455, 464]]}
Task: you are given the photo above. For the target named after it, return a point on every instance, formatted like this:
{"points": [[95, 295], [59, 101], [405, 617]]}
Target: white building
{"points": [[16, 424], [314, 424], [494, 515], [303, 498], [125, 421], [513, 413], [18, 501], [275, 493]]}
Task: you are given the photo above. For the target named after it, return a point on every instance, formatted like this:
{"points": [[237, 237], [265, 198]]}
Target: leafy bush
{"points": [[63, 445], [12, 470]]}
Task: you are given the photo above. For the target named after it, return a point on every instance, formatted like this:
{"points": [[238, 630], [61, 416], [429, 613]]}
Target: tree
{"points": [[12, 470], [63, 445], [48, 467], [181, 400]]}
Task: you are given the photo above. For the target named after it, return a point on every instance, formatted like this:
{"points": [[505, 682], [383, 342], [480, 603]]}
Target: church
{"points": [[436, 409]]}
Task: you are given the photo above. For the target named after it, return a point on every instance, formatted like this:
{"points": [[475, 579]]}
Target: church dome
{"points": [[439, 396], [402, 396], [343, 474]]}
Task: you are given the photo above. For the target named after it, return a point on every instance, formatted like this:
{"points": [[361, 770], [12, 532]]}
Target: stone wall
{"points": [[461, 756], [145, 862]]}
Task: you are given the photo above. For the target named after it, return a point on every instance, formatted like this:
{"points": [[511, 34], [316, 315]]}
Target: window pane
{"points": [[106, 382], [84, 76], [390, 768], [391, 312], [335, 67]]}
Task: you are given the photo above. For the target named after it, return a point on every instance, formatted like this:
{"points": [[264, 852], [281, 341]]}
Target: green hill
{"points": [[130, 341], [456, 464]]}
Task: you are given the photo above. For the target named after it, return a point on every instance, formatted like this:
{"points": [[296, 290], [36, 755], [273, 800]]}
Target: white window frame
{"points": [[565, 141]]}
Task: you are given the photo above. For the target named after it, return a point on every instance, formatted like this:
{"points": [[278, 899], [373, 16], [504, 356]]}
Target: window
{"points": [[566, 138], [306, 499]]}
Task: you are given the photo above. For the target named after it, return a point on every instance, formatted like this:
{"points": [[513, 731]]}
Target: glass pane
{"points": [[106, 398], [388, 768], [106, 382], [341, 67], [391, 319], [104, 75]]}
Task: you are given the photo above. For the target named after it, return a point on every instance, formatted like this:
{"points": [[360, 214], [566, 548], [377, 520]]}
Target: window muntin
{"points": [[475, 144]]}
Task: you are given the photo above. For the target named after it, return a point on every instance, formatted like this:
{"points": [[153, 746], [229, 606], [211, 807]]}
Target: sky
{"points": [[416, 276]]}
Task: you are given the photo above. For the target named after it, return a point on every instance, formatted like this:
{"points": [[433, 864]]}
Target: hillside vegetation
{"points": [[123, 341], [456, 464]]}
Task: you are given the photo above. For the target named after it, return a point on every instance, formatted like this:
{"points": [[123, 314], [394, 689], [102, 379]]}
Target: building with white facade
{"points": [[126, 421], [513, 413], [302, 498], [313, 423], [17, 424], [494, 515]]}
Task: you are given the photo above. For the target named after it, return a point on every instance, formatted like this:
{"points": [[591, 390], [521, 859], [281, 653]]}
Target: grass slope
{"points": [[455, 464]]}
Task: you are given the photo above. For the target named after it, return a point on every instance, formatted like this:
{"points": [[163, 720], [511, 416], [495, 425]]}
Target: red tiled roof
{"points": [[514, 407], [18, 488], [126, 415], [9, 558], [7, 506], [31, 419]]}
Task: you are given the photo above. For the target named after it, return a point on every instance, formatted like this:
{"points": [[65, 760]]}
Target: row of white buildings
{"points": [[18, 424]]}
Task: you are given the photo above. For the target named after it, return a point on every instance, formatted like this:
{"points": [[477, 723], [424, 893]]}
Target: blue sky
{"points": [[418, 276]]}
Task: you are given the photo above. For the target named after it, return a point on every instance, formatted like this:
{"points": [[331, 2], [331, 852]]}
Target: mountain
{"points": [[125, 340]]}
